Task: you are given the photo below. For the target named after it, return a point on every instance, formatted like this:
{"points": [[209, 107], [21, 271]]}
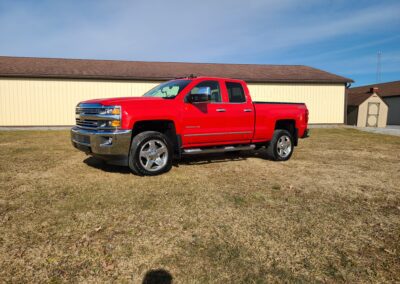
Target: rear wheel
{"points": [[151, 154], [281, 146]]}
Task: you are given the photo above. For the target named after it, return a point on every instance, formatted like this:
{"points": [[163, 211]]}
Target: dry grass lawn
{"points": [[330, 214]]}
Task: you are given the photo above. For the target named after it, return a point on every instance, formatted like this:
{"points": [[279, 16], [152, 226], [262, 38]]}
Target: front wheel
{"points": [[150, 154], [281, 146]]}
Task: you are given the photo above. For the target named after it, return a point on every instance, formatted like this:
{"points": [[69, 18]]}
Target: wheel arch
{"points": [[289, 125], [165, 126]]}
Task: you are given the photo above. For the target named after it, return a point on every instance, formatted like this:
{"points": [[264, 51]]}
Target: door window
{"points": [[214, 90], [235, 92]]}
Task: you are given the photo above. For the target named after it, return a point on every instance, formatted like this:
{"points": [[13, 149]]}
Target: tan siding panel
{"points": [[324, 101], [52, 102]]}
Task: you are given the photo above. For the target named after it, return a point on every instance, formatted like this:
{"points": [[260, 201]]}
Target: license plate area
{"points": [[84, 139]]}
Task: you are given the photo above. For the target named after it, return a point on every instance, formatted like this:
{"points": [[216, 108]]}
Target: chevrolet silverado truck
{"points": [[186, 116]]}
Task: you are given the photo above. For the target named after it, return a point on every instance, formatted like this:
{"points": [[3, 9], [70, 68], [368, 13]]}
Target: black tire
{"points": [[136, 161], [273, 149]]}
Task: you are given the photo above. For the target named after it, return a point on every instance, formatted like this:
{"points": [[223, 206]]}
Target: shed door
{"points": [[372, 114]]}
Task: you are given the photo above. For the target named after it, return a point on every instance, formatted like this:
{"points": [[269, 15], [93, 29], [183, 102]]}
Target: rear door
{"points": [[239, 112]]}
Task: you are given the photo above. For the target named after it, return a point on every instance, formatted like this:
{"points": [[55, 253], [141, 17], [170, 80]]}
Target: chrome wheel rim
{"points": [[153, 155], [284, 146]]}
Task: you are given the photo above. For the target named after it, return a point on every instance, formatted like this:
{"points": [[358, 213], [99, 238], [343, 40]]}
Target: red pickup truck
{"points": [[183, 117]]}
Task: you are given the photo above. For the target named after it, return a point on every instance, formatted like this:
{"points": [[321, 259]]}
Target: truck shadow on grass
{"points": [[102, 165], [222, 157], [199, 159]]}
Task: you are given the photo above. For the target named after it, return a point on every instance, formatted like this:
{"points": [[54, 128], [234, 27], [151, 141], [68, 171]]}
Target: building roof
{"points": [[389, 89], [30, 67], [357, 99]]}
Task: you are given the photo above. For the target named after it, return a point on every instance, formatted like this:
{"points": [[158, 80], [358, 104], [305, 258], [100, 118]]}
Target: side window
{"points": [[235, 92], [214, 88]]}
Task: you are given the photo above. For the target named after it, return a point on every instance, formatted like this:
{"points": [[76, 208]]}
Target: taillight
{"points": [[306, 116]]}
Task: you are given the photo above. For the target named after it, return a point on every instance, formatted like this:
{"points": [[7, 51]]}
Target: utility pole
{"points": [[378, 66]]}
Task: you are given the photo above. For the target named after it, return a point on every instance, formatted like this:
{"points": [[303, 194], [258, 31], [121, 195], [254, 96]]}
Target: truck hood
{"points": [[123, 100]]}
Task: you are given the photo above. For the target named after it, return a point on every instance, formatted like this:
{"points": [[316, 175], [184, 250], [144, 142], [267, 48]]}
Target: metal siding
{"points": [[394, 110], [324, 101], [36, 102], [52, 101]]}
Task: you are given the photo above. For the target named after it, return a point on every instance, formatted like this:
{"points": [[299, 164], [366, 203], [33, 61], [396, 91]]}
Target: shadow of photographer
{"points": [[157, 276]]}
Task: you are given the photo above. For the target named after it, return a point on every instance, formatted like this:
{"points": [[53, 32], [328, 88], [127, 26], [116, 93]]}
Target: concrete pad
{"points": [[388, 130]]}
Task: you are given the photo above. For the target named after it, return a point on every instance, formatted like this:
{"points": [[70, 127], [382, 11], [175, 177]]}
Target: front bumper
{"points": [[102, 143]]}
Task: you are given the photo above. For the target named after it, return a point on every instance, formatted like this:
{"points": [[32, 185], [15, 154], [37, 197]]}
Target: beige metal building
{"points": [[44, 92], [367, 110]]}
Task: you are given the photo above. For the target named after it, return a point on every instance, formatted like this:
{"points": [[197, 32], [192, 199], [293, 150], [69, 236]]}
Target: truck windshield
{"points": [[168, 90]]}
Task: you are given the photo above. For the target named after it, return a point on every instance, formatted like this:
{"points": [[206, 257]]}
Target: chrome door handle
{"points": [[221, 110], [247, 110]]}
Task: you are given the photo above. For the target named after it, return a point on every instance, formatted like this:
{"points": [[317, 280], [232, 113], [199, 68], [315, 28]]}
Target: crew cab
{"points": [[186, 116]]}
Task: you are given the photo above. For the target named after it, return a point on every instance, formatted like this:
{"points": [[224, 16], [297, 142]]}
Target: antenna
{"points": [[378, 66]]}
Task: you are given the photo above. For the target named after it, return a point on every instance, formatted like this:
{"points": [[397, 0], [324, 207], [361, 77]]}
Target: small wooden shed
{"points": [[366, 109]]}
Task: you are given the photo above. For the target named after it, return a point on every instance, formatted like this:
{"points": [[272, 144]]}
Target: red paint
{"points": [[201, 125]]}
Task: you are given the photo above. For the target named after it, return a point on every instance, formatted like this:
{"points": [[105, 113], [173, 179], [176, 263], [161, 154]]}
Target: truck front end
{"points": [[98, 132]]}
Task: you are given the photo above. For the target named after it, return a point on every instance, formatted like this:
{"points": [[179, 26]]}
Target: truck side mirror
{"points": [[199, 95]]}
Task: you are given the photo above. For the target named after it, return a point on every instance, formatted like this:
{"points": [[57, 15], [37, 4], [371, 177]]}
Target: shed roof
{"points": [[31, 67], [389, 89], [357, 99]]}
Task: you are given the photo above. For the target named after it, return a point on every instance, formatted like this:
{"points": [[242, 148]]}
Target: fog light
{"points": [[107, 141]]}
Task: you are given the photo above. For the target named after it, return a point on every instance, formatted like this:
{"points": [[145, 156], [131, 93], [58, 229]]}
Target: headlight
{"points": [[110, 123], [113, 110], [115, 117]]}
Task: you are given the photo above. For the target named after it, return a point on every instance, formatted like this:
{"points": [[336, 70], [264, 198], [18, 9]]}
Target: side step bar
{"points": [[194, 151]]}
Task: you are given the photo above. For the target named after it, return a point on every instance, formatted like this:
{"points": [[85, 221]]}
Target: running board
{"points": [[194, 151]]}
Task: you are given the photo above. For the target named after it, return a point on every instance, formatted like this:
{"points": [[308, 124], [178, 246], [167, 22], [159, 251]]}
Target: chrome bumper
{"points": [[115, 143]]}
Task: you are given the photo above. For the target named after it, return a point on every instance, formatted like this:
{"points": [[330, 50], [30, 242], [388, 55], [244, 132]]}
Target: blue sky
{"points": [[339, 36]]}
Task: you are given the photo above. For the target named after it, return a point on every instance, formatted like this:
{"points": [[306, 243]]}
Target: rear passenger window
{"points": [[235, 92]]}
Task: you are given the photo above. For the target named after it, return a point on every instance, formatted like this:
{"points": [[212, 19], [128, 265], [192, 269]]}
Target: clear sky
{"points": [[338, 36]]}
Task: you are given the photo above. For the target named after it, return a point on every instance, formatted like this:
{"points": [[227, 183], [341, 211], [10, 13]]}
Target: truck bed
{"points": [[266, 113]]}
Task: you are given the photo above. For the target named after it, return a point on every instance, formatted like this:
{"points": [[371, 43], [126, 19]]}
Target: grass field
{"points": [[330, 214]]}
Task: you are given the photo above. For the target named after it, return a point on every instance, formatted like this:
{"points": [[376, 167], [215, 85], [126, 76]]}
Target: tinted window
{"points": [[214, 87], [235, 92]]}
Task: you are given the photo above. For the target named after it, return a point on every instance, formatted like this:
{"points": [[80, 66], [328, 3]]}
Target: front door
{"points": [[372, 114], [203, 122]]}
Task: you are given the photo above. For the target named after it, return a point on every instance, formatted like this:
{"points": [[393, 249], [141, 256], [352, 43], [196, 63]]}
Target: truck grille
{"points": [[87, 123], [95, 116], [87, 110]]}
